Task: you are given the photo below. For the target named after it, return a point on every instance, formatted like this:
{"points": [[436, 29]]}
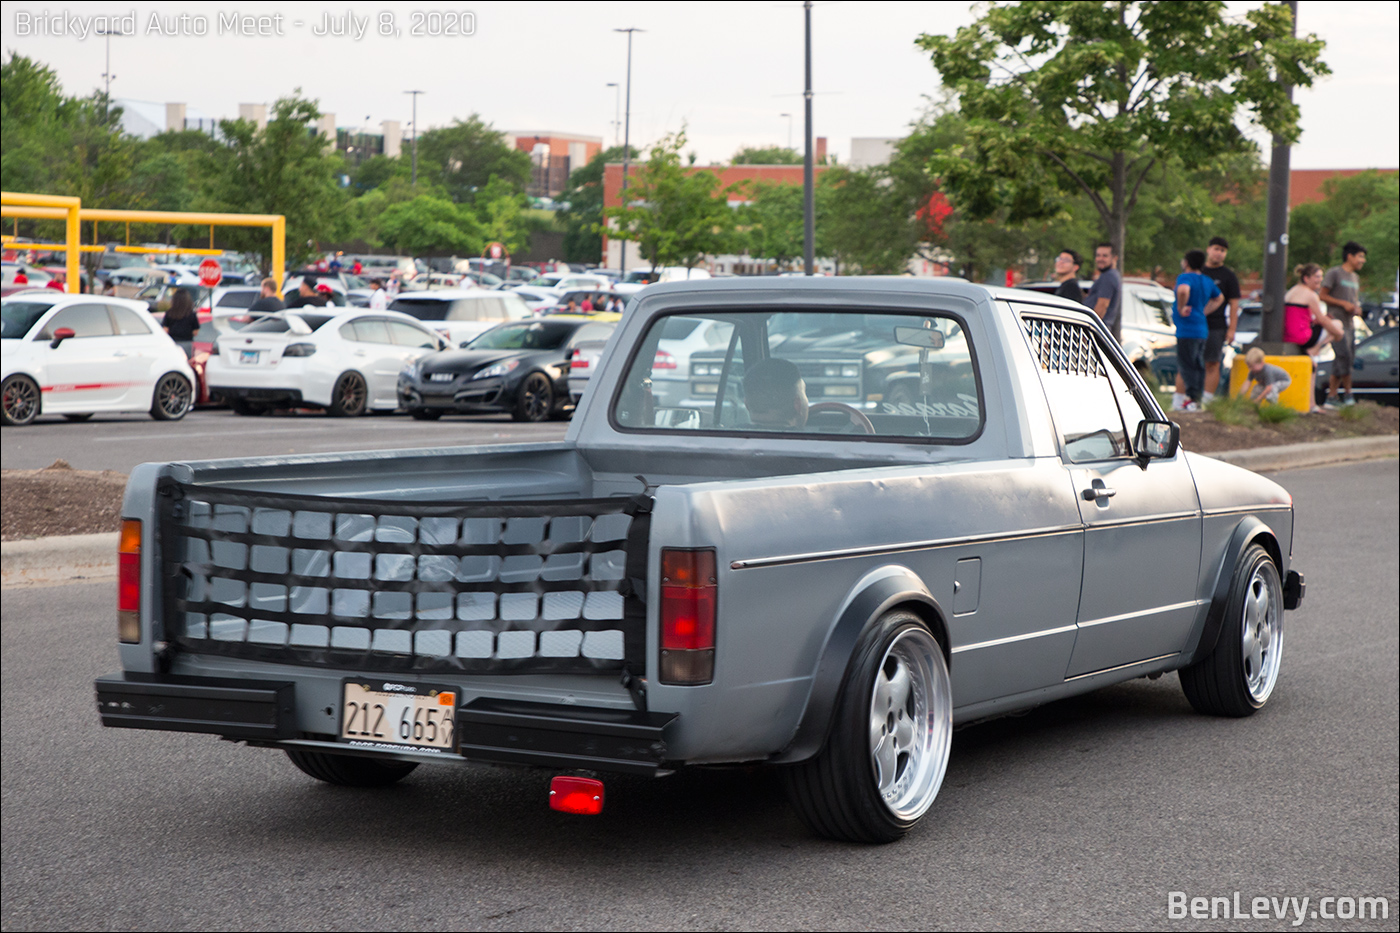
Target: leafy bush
{"points": [[1354, 413]]}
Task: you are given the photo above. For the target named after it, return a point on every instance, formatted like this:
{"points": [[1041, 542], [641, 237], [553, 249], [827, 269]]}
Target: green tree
{"points": [[500, 213], [676, 214], [376, 171], [285, 168], [864, 222], [583, 217], [1365, 208], [461, 158], [429, 224], [1061, 96], [766, 155], [771, 223]]}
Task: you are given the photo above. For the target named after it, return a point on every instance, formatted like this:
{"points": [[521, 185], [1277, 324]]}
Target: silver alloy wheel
{"points": [[911, 724], [174, 397], [1262, 634], [21, 400]]}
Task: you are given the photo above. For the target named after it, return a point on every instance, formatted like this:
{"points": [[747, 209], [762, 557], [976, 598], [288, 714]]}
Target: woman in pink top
{"points": [[1304, 321]]}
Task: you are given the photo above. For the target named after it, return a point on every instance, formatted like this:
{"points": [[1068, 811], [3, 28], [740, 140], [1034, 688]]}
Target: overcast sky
{"points": [[725, 71]]}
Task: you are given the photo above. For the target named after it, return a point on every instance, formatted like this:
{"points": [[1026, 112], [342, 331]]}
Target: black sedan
{"points": [[520, 367]]}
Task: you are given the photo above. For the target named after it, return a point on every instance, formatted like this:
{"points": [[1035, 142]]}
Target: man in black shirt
{"points": [[1067, 264], [1221, 323], [268, 301]]}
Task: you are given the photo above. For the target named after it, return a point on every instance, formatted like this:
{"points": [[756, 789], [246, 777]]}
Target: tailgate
{"points": [[393, 585]]}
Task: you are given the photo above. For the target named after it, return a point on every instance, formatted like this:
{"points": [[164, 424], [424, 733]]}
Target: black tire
{"points": [[350, 397], [350, 770], [535, 400], [173, 398], [21, 400], [1239, 675], [241, 406], [424, 414], [79, 417], [863, 787]]}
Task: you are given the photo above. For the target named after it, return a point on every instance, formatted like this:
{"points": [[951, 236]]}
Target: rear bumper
{"points": [[511, 732], [258, 394]]}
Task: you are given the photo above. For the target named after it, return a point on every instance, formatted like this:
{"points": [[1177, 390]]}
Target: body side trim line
{"points": [[1015, 638], [1190, 603], [1119, 667], [883, 549]]}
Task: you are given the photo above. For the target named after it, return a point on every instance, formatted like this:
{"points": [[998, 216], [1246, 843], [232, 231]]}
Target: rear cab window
{"points": [[855, 373]]}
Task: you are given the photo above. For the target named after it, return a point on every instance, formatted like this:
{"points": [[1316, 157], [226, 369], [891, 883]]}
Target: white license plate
{"points": [[391, 714], [247, 356], [442, 377]]}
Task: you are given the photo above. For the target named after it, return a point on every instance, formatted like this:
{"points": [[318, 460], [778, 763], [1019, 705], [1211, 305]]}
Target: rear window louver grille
{"points": [[1067, 349]]}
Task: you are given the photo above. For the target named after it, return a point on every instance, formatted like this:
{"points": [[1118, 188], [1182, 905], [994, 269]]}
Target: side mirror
{"points": [[60, 335], [1157, 440]]}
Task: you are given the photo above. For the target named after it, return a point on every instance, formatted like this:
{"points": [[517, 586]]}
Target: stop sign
{"points": [[210, 272]]}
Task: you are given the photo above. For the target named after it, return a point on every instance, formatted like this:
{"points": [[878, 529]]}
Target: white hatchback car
{"points": [[345, 360], [75, 355]]}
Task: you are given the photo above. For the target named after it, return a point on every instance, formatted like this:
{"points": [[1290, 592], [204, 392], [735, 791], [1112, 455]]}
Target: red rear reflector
{"points": [[129, 582], [580, 795], [580, 364]]}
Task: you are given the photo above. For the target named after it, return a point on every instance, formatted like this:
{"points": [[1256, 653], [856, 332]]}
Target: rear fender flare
{"points": [[1249, 531], [876, 593]]}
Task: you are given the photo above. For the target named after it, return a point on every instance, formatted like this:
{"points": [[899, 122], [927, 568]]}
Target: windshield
{"points": [[806, 372], [424, 309], [536, 335], [21, 316], [642, 278]]}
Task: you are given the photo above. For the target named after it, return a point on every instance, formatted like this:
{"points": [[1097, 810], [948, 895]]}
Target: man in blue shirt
{"points": [[1196, 296]]}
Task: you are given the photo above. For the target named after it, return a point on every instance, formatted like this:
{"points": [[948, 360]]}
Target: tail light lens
{"points": [[688, 590], [663, 360], [580, 795], [129, 582], [300, 349]]}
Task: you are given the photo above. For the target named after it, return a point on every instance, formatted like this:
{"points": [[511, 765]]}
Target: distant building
{"points": [[868, 151], [554, 156], [1305, 184]]}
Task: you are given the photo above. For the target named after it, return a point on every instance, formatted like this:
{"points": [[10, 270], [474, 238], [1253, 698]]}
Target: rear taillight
{"points": [[579, 363], [580, 795], [129, 582], [300, 349], [688, 589], [663, 360]]}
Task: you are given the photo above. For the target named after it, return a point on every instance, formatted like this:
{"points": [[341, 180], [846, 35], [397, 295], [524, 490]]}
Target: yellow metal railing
{"points": [[55, 207]]}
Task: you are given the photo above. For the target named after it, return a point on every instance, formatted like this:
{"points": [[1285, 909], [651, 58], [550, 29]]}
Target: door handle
{"points": [[1099, 491]]}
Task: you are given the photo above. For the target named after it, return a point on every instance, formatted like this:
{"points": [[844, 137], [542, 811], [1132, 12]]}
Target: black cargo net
{"points": [[1063, 348], [406, 586]]}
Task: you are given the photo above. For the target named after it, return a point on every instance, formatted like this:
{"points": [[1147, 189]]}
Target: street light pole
{"points": [[415, 94], [1276, 234], [107, 75], [617, 110], [627, 132], [809, 227]]}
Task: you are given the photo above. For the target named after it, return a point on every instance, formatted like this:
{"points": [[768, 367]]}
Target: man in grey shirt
{"points": [[1341, 293], [1106, 294]]}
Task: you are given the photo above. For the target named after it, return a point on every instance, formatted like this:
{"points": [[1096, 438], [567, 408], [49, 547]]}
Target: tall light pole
{"points": [[415, 94], [809, 226], [1276, 234], [627, 132], [617, 110], [789, 119], [107, 75]]}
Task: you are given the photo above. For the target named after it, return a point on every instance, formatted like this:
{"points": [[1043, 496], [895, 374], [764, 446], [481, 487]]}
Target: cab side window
{"points": [[1083, 399], [406, 335]]}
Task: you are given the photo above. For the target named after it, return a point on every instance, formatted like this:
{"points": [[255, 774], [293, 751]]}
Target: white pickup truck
{"points": [[873, 509]]}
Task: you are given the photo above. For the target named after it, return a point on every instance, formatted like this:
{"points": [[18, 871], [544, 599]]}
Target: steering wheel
{"points": [[857, 417]]}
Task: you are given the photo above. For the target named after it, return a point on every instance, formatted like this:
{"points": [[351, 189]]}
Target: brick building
{"points": [[554, 157]]}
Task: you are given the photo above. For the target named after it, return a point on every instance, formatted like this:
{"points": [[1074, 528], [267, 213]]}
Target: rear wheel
{"points": [[350, 770], [884, 761], [173, 398], [424, 414], [536, 399], [21, 400], [350, 396]]}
